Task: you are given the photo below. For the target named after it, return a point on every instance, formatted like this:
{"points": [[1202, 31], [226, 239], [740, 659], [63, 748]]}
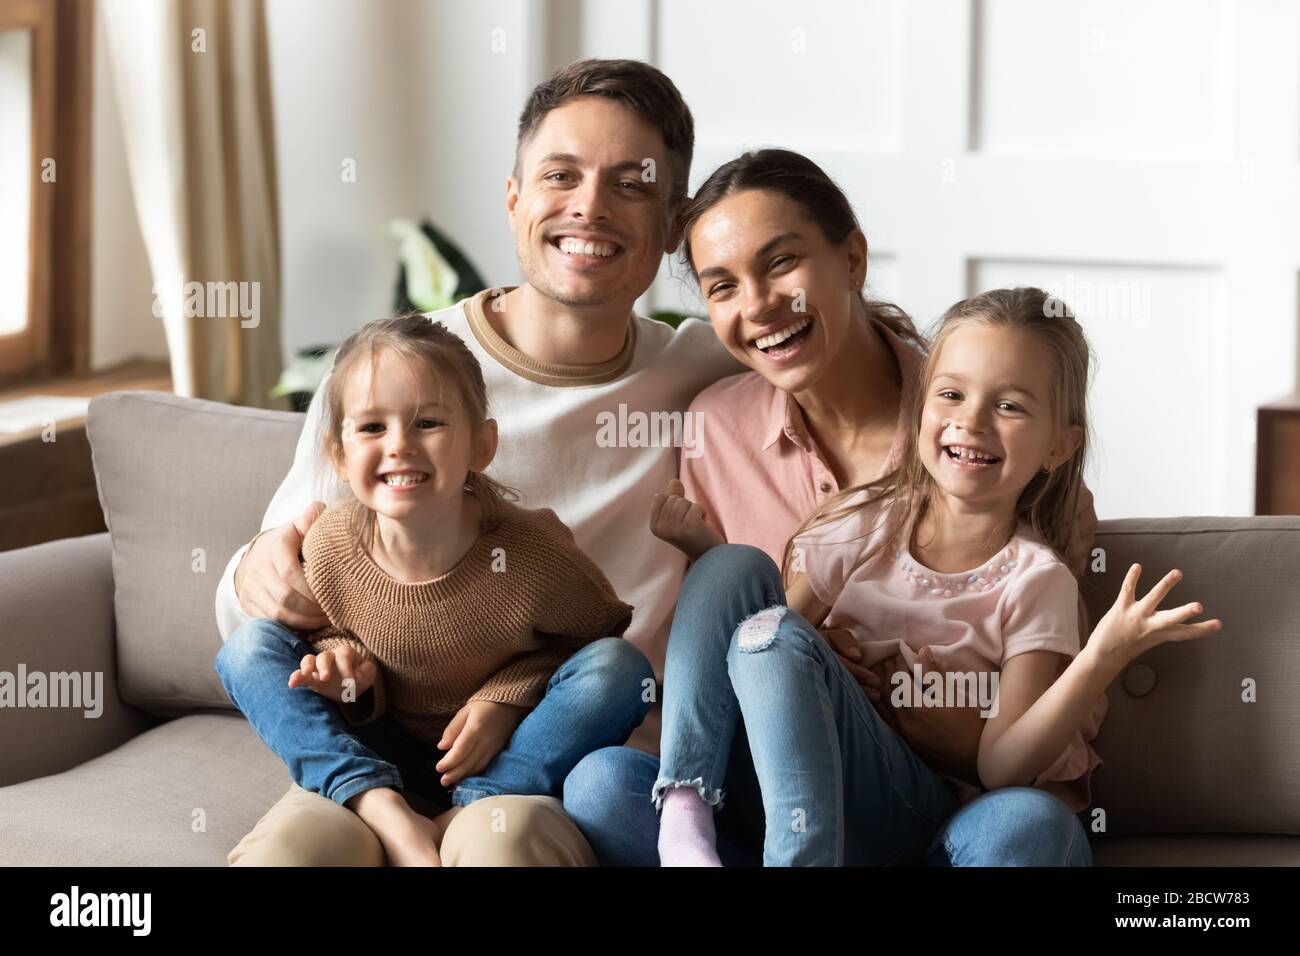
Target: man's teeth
{"points": [[405, 479], [970, 454], [578, 247], [776, 338]]}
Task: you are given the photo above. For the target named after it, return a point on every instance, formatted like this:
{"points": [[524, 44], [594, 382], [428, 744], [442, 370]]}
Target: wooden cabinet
{"points": [[1277, 458], [47, 489]]}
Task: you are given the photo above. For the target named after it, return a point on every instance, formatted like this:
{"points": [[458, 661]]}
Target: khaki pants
{"points": [[306, 829]]}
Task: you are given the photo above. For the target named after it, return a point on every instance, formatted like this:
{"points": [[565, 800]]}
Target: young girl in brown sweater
{"points": [[472, 649]]}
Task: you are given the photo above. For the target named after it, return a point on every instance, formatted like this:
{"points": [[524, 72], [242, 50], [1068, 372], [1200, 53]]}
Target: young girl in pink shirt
{"points": [[947, 573]]}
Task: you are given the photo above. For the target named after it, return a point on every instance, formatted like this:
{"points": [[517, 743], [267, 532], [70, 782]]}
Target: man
{"points": [[602, 164]]}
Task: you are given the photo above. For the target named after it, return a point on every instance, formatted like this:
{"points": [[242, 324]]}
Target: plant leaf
{"points": [[430, 281]]}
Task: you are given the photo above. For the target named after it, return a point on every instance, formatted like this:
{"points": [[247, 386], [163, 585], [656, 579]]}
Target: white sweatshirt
{"points": [[594, 443]]}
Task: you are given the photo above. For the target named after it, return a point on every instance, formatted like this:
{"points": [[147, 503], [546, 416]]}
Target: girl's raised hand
{"points": [[1134, 625], [681, 522]]}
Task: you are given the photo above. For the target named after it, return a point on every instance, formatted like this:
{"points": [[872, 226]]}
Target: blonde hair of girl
{"points": [[422, 344], [1049, 502]]}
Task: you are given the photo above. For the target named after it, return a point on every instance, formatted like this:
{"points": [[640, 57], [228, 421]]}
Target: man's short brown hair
{"points": [[640, 87]]}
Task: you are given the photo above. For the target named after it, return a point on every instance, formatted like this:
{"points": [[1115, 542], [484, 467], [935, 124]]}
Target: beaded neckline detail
{"points": [[984, 578]]}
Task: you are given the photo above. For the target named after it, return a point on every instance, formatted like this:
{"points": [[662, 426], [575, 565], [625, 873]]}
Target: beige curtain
{"points": [[194, 87]]}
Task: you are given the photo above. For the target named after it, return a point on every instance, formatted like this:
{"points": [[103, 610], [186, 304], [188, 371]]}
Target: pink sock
{"points": [[686, 836]]}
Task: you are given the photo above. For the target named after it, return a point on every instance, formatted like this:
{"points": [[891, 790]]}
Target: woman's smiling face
{"points": [[779, 294], [988, 424]]}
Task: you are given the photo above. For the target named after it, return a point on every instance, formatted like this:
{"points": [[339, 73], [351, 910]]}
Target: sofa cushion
{"points": [[139, 805], [1183, 751], [183, 483]]}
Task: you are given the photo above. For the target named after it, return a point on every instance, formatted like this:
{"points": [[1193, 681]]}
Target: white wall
{"points": [[1138, 158], [1141, 158], [416, 94]]}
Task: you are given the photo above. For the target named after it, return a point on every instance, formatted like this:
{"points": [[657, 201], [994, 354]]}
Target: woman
{"points": [[781, 263]]}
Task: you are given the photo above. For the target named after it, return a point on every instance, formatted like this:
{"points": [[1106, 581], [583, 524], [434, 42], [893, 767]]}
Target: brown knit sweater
{"points": [[495, 627]]}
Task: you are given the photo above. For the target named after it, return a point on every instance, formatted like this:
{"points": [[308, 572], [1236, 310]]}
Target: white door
{"points": [[1137, 158]]}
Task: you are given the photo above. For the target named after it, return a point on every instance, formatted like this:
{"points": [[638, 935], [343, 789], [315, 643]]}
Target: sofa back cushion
{"points": [[183, 484], [1204, 736]]}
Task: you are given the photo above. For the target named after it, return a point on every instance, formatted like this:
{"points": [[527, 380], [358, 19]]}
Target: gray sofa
{"points": [[170, 773]]}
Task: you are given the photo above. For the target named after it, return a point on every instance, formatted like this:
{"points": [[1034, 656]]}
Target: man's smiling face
{"points": [[590, 222]]}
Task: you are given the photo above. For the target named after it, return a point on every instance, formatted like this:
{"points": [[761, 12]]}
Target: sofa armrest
{"points": [[59, 704]]}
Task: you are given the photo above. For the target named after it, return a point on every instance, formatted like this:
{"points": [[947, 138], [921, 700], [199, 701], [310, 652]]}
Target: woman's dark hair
{"points": [[799, 179]]}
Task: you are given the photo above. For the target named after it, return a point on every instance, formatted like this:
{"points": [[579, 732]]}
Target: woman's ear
{"points": [[485, 445], [856, 251]]}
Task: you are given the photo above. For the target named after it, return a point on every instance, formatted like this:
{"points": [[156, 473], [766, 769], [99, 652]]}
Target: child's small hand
{"points": [[326, 672], [845, 646], [681, 522], [475, 735], [1133, 626]]}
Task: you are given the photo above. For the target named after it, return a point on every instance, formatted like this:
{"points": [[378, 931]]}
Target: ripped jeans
{"points": [[839, 787]]}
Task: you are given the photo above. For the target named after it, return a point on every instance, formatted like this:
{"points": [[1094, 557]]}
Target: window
{"points": [[45, 51]]}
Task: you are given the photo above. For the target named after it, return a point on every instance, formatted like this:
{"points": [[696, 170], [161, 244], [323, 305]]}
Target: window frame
{"points": [[56, 340]]}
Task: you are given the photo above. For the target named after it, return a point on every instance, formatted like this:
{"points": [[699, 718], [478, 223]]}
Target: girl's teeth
{"points": [[577, 247], [404, 479], [968, 454], [776, 338]]}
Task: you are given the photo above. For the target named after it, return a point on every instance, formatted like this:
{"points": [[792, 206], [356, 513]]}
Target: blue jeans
{"points": [[761, 719], [594, 700]]}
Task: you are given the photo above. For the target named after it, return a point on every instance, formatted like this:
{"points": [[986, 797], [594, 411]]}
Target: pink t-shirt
{"points": [[758, 473], [1023, 598]]}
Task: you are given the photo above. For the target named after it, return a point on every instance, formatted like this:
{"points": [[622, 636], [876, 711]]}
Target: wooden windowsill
{"points": [[148, 374]]}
